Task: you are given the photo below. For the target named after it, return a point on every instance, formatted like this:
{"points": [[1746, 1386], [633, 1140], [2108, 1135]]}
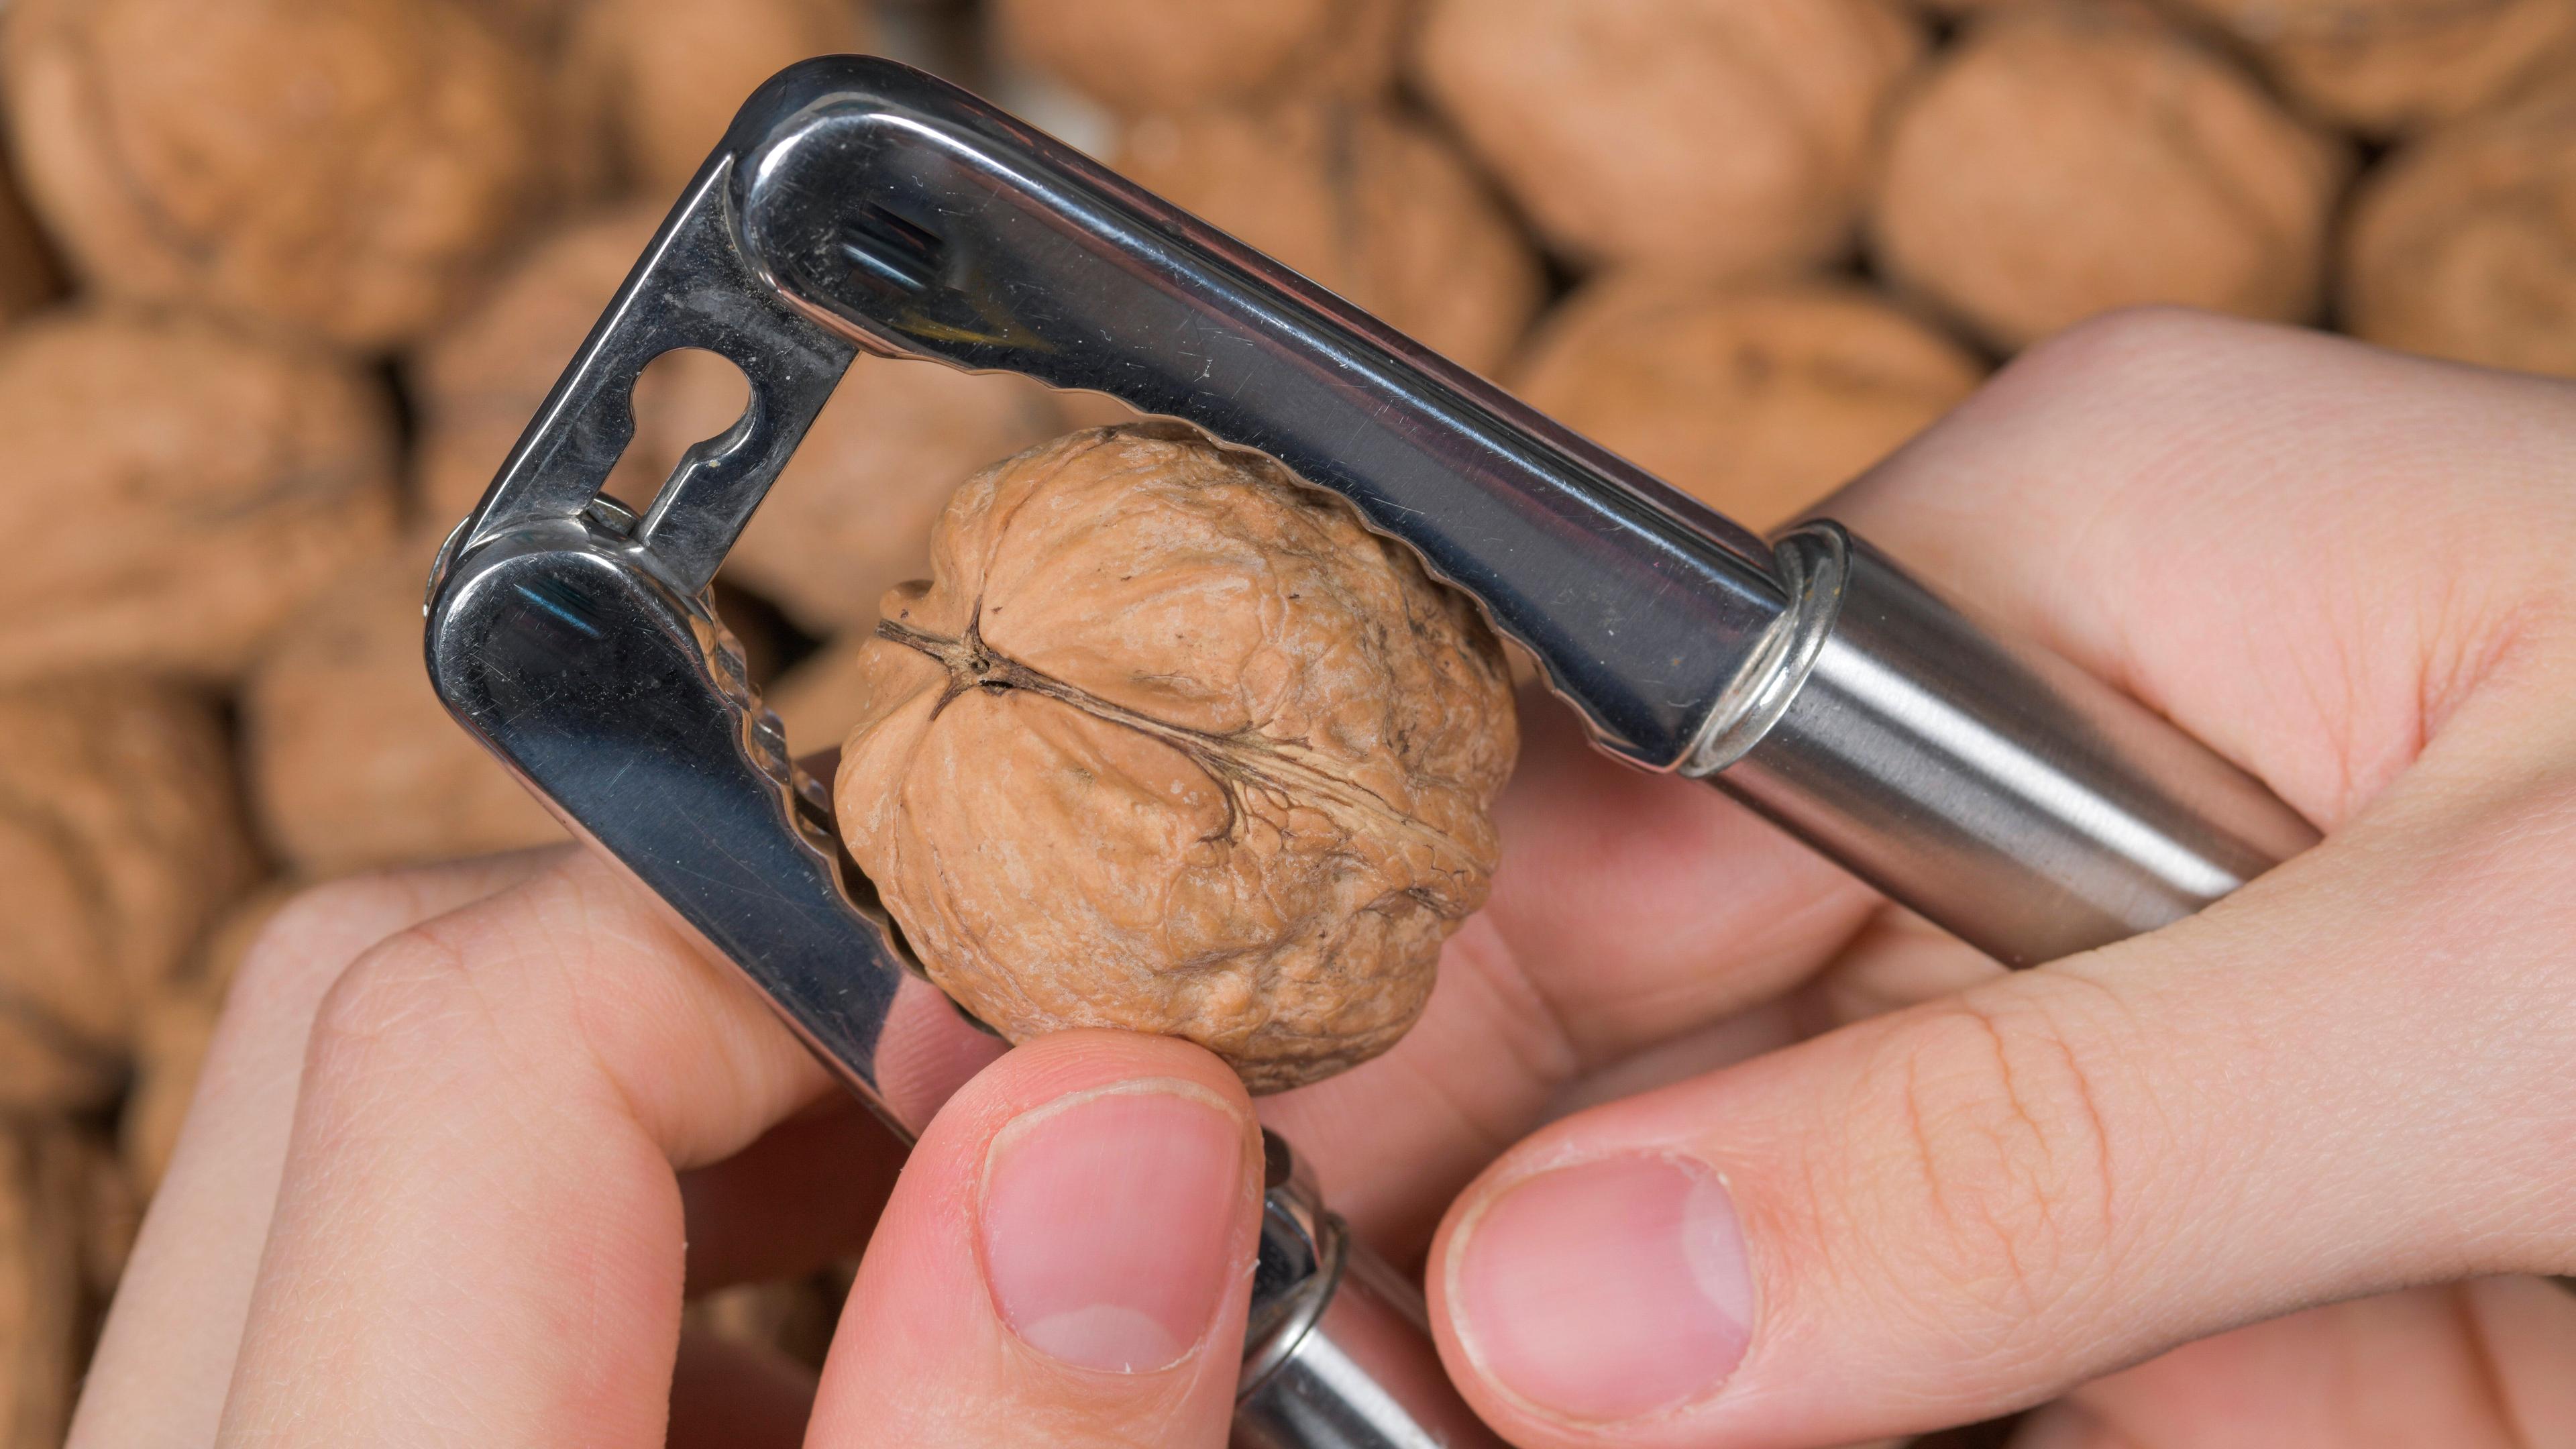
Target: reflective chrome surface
{"points": [[2016, 802], [1340, 1355], [857, 203]]}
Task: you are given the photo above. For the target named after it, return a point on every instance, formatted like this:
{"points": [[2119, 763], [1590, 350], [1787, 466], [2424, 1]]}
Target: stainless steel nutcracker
{"points": [[858, 204]]}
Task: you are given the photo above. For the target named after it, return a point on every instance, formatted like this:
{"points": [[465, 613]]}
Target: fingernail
{"points": [[1606, 1290], [1111, 1223]]}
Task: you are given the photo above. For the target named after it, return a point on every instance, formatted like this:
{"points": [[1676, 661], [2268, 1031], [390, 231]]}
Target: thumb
{"points": [[1070, 1245], [2336, 1081]]}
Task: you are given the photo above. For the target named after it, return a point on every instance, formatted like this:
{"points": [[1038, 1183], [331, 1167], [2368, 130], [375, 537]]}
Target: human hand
{"points": [[2339, 1082]]}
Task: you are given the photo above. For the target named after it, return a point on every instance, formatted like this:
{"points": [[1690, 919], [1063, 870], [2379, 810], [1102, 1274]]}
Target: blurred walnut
{"points": [[2463, 245], [659, 80], [1139, 56], [851, 514], [2067, 161], [119, 841], [1367, 202], [1172, 743], [1759, 401], [173, 1032], [478, 383], [1725, 136], [342, 167], [353, 762], [179, 490], [42, 1195], [2393, 65], [27, 277]]}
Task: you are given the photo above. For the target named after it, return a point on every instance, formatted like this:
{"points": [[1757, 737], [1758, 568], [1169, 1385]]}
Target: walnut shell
{"points": [[1724, 136], [185, 490], [2395, 65], [1757, 401], [1141, 56], [2067, 161], [42, 1184], [353, 761], [346, 168], [659, 80], [119, 841], [2463, 245], [851, 515], [478, 383], [1367, 202], [28, 279], [1170, 742]]}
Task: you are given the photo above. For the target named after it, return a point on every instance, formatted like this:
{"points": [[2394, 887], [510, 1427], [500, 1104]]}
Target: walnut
{"points": [[1141, 56], [1365, 201], [28, 279], [1170, 742], [2066, 161], [2396, 65], [42, 1191], [118, 843], [1757, 401], [353, 761], [186, 490], [1726, 136], [851, 514], [659, 80], [341, 167], [477, 383], [2463, 245]]}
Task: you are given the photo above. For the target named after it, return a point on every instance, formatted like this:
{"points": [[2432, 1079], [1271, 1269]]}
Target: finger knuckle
{"points": [[1997, 1182], [401, 998], [304, 946]]}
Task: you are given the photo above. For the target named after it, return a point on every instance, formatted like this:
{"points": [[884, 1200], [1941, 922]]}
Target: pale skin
{"points": [[2279, 1175]]}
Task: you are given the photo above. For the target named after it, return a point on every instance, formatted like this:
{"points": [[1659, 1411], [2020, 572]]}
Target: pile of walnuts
{"points": [[281, 281]]}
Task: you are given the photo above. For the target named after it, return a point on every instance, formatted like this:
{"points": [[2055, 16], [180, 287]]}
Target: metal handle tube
{"points": [[2015, 801]]}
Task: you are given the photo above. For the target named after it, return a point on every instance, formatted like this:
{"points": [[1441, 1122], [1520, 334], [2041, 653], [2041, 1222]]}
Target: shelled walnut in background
{"points": [[1363, 199], [2464, 243], [345, 169], [178, 490], [119, 844], [2065, 160], [1170, 742], [1722, 136], [1756, 400], [1143, 56]]}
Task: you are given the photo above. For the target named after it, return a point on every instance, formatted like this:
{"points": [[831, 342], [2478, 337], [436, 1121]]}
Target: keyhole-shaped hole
{"points": [[683, 397]]}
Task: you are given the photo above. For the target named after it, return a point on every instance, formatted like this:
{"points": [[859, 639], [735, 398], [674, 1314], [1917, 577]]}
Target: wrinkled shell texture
{"points": [[1725, 136], [353, 762], [27, 278], [1367, 202], [41, 1207], [162, 454], [1139, 56], [2066, 162], [345, 168], [1172, 743], [851, 514], [661, 79], [2464, 246], [1757, 401], [2395, 65], [118, 842], [478, 382]]}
